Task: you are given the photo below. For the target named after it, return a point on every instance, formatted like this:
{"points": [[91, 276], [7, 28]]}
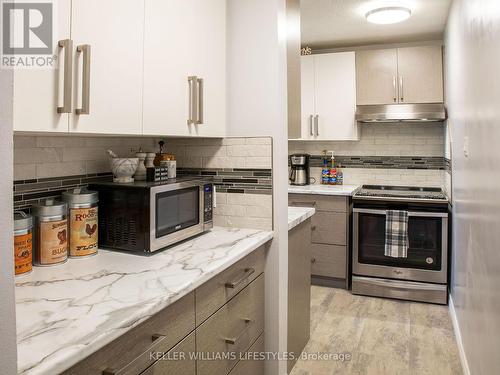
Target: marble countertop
{"points": [[346, 190], [297, 215], [64, 313]]}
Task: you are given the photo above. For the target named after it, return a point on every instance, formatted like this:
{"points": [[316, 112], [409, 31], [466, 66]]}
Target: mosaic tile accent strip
{"points": [[447, 165], [29, 192], [385, 162], [236, 180]]}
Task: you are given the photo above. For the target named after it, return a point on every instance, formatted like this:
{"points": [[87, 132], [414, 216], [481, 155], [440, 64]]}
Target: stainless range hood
{"points": [[432, 112]]}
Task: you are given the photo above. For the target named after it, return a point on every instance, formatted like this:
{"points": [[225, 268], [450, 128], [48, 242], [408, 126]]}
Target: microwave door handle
{"points": [[410, 214]]}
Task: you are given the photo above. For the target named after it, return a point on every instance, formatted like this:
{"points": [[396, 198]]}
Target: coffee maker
{"points": [[299, 172]]}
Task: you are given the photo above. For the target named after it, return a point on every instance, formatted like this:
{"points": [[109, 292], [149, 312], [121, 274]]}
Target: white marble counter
{"points": [[346, 190], [67, 312], [297, 215]]}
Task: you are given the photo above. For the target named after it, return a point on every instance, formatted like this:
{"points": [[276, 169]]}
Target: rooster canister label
{"points": [[53, 242], [83, 232]]}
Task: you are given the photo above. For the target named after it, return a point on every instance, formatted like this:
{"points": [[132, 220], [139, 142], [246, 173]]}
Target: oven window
{"points": [[424, 234], [177, 210]]}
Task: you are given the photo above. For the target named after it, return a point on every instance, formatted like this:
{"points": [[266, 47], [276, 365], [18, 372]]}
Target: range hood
{"points": [[431, 112]]}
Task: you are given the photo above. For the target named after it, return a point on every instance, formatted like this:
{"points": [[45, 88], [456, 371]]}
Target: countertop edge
{"points": [[307, 212], [323, 190], [65, 362]]}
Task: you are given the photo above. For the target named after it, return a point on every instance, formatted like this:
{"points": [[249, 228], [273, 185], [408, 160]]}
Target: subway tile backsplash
{"points": [[46, 166], [387, 153]]}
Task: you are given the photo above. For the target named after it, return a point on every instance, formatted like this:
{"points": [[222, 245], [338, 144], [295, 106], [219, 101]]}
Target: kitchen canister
{"points": [[83, 221], [23, 243], [50, 233]]}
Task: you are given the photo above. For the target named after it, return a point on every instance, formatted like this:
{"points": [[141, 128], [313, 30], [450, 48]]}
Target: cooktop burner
{"points": [[405, 193]]}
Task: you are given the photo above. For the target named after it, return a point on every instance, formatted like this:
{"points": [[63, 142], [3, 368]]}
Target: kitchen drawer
{"points": [[251, 365], [130, 353], [319, 202], [220, 289], [177, 361], [329, 260], [329, 228], [232, 329]]}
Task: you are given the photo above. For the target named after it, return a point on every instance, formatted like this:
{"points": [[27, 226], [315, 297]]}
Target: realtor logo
{"points": [[28, 34]]}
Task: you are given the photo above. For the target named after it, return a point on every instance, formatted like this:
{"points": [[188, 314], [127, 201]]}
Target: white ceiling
{"points": [[342, 23]]}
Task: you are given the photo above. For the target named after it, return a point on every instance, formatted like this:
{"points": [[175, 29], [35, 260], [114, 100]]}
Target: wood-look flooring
{"points": [[382, 337]]}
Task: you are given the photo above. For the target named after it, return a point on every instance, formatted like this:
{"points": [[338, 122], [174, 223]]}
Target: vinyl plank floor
{"points": [[374, 336]]}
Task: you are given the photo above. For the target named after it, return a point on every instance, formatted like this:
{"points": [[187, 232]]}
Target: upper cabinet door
{"points": [[307, 96], [168, 62], [210, 65], [39, 92], [191, 44], [335, 96], [108, 40], [420, 74], [376, 76]]}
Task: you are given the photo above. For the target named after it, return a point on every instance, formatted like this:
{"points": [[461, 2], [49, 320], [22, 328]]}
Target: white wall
{"points": [[472, 49], [8, 341], [257, 106]]}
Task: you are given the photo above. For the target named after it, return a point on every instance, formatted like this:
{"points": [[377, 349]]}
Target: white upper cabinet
{"points": [[108, 41], [154, 67], [400, 75], [307, 96], [329, 97], [420, 74], [185, 39], [376, 76], [39, 92]]}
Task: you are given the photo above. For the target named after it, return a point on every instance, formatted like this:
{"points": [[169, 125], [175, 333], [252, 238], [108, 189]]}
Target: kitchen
{"points": [[157, 229]]}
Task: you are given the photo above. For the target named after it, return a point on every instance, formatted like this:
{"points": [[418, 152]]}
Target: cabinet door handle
{"points": [[193, 100], [140, 363], [67, 44], [402, 98], [85, 109], [316, 124], [395, 97], [234, 340], [246, 274], [313, 260], [199, 115], [311, 125]]}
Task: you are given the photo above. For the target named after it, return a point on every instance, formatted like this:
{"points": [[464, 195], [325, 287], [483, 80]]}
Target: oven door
{"points": [[176, 213], [427, 258]]}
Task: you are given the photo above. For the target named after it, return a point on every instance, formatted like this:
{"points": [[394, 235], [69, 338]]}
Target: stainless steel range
{"points": [[422, 274]]}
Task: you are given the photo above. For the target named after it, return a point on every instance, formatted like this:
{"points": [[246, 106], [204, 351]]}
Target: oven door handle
{"points": [[410, 213]]}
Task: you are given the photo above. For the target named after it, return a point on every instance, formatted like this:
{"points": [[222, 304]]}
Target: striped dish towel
{"points": [[396, 234]]}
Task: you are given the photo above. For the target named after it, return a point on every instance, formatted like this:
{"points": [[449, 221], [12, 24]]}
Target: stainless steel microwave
{"points": [[149, 216]]}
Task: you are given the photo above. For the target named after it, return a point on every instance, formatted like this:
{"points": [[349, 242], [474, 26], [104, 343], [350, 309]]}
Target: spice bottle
{"points": [[51, 233], [23, 243], [83, 222]]}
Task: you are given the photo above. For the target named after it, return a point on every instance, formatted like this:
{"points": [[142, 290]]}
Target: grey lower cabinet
{"points": [[207, 332], [329, 237], [299, 289]]}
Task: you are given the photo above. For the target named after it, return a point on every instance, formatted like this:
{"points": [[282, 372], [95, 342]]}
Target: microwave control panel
{"points": [[208, 195]]}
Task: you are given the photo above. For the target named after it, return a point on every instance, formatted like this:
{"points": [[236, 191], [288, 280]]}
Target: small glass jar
{"points": [[83, 222], [51, 233]]}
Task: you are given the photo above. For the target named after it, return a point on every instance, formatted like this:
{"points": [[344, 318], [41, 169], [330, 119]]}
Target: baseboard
{"points": [[458, 336]]}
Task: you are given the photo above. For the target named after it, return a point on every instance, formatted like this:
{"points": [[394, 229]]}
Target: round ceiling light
{"points": [[388, 15]]}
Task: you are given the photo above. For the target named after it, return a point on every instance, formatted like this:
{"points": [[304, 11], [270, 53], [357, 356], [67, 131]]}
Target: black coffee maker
{"points": [[299, 172]]}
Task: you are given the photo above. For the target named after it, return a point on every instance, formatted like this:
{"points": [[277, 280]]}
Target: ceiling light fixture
{"points": [[388, 15]]}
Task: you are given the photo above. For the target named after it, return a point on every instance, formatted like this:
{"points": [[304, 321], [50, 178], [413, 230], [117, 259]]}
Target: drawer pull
{"points": [[313, 260], [246, 274], [140, 363], [234, 340]]}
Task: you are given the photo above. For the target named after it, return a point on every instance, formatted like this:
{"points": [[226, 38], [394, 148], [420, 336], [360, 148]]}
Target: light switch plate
{"points": [[466, 146]]}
